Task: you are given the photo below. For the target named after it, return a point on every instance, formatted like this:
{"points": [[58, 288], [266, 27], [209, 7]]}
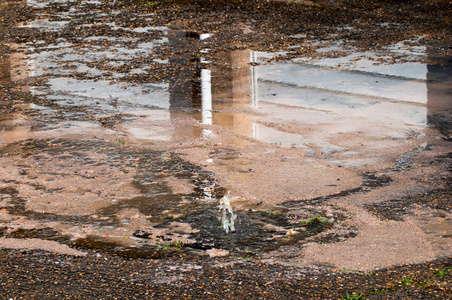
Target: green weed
{"points": [[353, 296], [172, 245], [168, 216], [243, 256], [349, 270], [150, 3], [121, 142], [378, 292], [314, 220], [442, 272], [407, 281], [423, 283]]}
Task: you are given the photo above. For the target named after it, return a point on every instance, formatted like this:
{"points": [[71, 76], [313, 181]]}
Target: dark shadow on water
{"points": [[102, 245], [439, 94], [255, 231]]}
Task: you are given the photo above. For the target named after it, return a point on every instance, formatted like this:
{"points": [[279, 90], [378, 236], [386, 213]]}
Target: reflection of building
{"points": [[13, 126], [231, 90], [439, 94], [5, 74], [16, 66], [185, 85], [202, 92]]}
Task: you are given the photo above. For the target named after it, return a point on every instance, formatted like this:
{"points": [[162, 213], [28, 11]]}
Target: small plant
{"points": [[349, 270], [26, 97], [378, 292], [423, 283], [442, 272], [168, 216], [121, 142], [353, 296], [172, 245], [407, 281], [243, 256], [149, 3], [314, 220]]}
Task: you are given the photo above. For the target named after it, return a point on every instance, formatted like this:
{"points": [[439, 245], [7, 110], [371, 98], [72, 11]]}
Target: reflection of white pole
{"points": [[206, 96], [253, 60], [255, 131]]}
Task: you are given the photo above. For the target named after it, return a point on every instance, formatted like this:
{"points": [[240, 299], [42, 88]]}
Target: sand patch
{"points": [[375, 246], [179, 185], [38, 244]]}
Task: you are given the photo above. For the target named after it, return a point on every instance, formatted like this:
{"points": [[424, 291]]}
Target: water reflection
{"points": [[208, 94], [5, 73], [232, 92], [321, 98], [185, 85], [439, 98], [394, 98], [13, 68]]}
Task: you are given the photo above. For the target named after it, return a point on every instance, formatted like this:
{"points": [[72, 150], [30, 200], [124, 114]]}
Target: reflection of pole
{"points": [[206, 96], [254, 88]]}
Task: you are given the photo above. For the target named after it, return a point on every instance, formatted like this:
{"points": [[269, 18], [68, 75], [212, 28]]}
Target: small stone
{"points": [[217, 252], [291, 232]]}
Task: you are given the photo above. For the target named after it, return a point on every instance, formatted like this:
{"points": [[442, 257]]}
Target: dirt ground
{"points": [[93, 206]]}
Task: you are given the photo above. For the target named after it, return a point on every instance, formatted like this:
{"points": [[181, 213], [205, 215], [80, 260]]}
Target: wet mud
{"points": [[279, 149]]}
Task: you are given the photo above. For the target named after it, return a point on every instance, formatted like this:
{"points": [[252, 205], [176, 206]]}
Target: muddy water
{"points": [[135, 141]]}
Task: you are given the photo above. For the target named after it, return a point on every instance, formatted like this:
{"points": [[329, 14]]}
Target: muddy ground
{"points": [[225, 149]]}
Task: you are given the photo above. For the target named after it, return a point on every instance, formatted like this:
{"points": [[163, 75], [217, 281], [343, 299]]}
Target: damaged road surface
{"points": [[268, 148]]}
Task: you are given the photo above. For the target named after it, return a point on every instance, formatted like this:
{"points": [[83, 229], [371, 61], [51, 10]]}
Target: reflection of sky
{"points": [[44, 3], [390, 97], [47, 24], [350, 82], [375, 63], [49, 62], [346, 104], [103, 96], [272, 136]]}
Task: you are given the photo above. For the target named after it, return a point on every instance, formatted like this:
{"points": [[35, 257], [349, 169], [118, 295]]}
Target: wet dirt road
{"points": [[149, 140]]}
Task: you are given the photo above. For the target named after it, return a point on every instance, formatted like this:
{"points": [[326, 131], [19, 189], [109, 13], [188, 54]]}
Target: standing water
{"points": [[133, 139]]}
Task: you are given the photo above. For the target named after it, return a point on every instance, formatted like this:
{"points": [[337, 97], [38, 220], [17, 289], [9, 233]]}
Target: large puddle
{"points": [[137, 85]]}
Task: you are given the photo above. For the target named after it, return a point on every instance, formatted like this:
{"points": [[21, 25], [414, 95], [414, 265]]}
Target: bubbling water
{"points": [[228, 216]]}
